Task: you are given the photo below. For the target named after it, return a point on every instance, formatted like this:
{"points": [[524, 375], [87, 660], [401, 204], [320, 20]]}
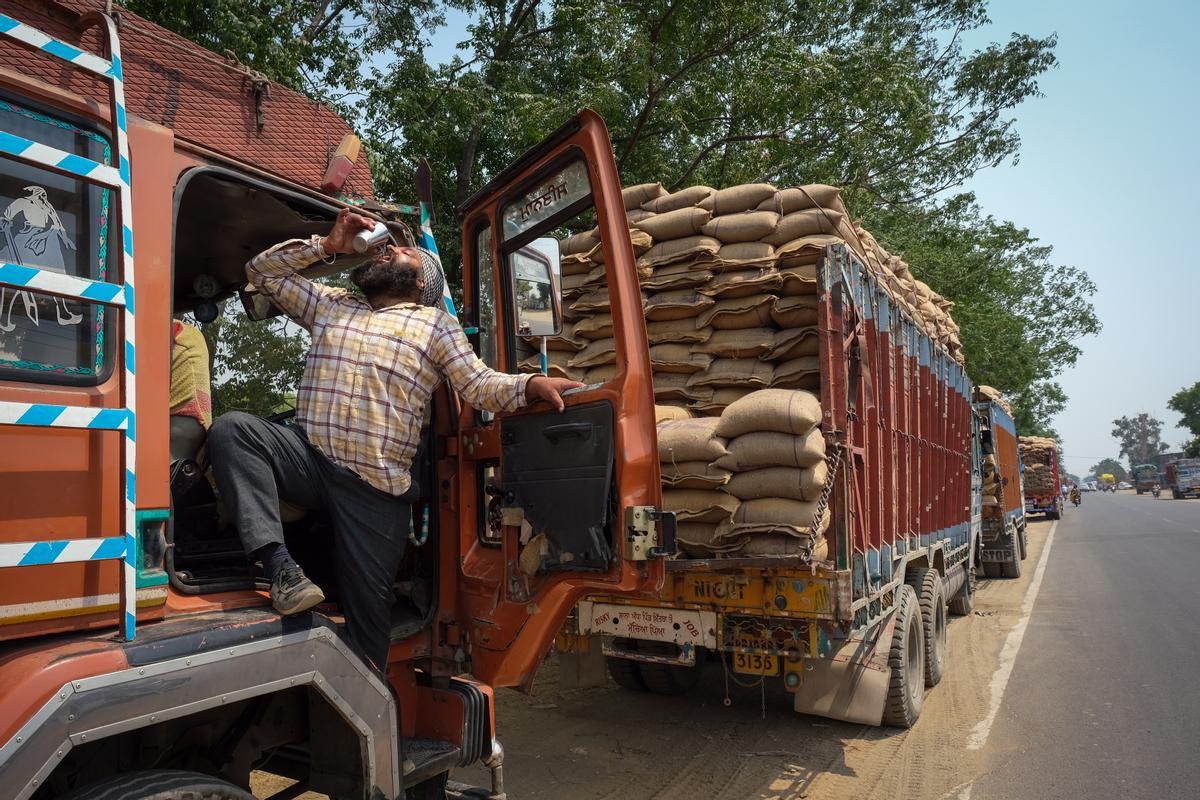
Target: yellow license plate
{"points": [[755, 664]]}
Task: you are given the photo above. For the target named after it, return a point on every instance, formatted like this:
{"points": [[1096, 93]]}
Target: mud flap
{"points": [[581, 663], [851, 684]]}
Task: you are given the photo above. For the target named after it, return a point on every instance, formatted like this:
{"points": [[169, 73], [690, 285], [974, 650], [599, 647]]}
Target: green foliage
{"points": [[1021, 315], [256, 366], [1109, 466], [1186, 403], [877, 96], [1140, 438]]}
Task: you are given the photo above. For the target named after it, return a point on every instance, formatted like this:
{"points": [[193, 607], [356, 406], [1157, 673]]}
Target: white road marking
{"points": [[1012, 645]]}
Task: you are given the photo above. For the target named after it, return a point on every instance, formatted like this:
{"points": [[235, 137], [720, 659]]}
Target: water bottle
{"points": [[367, 240]]}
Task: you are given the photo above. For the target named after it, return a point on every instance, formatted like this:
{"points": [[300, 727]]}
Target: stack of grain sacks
{"points": [[1036, 454], [748, 482], [997, 397], [991, 482], [729, 283]]}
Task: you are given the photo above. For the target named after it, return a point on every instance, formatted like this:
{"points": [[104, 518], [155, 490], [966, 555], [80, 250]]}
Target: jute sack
{"points": [[799, 373], [783, 544], [682, 275], [598, 326], [579, 242], [736, 313], [792, 483], [699, 505], [675, 331], [671, 386], [565, 341], [555, 369], [777, 511], [732, 255], [666, 413], [679, 358], [737, 372], [595, 300], [636, 215], [699, 540], [640, 240], [698, 249], [810, 195], [676, 304], [692, 195], [745, 343], [576, 265], [596, 354], [798, 224], [676, 224], [805, 250], [774, 411], [638, 196], [694, 475], [742, 283], [711, 402], [801, 280], [795, 312], [600, 374], [770, 449], [740, 198], [690, 440], [576, 284], [794, 343], [747, 226]]}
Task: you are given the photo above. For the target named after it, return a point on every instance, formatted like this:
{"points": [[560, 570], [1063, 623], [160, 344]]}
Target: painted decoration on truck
{"points": [[57, 223]]}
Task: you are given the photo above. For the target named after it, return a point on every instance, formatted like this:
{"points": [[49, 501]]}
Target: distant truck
{"points": [[1002, 539], [1108, 482], [1041, 477], [1144, 477], [1183, 478]]}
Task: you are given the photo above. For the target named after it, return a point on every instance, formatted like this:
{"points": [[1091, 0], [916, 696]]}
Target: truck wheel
{"points": [[624, 671], [906, 659], [1175, 494], [669, 678], [932, 599], [1024, 537], [991, 569], [160, 784], [964, 599], [1012, 568]]}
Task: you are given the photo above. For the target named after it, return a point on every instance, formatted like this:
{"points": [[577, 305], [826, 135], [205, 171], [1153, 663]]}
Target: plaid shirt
{"points": [[370, 373]]}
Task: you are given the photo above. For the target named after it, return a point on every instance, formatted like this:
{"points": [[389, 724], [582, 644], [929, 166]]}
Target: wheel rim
{"points": [[915, 658]]}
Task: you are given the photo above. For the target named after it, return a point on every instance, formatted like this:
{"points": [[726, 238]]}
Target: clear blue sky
{"points": [[1109, 174]]}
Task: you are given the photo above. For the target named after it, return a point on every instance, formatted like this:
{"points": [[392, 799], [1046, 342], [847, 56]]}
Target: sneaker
{"points": [[292, 592]]}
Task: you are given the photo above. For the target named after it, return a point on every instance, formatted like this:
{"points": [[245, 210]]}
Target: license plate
{"points": [[755, 664]]}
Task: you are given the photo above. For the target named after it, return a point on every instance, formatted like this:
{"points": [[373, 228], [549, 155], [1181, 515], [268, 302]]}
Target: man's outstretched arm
{"points": [[274, 272]]}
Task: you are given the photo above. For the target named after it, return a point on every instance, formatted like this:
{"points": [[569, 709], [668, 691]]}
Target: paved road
{"points": [[1104, 697]]}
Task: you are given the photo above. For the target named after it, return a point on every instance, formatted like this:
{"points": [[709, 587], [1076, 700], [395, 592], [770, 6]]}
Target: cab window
{"points": [[57, 223]]}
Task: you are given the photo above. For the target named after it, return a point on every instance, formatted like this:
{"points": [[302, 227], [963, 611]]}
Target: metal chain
{"points": [[833, 461]]}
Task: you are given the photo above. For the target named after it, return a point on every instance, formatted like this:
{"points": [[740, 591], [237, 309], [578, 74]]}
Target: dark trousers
{"points": [[257, 463]]}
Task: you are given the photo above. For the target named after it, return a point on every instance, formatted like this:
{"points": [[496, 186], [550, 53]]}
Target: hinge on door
{"points": [[644, 537]]}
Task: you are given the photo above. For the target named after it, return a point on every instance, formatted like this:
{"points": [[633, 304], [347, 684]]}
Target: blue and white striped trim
{"points": [[44, 415], [63, 551], [428, 242], [59, 49], [41, 280], [118, 177]]}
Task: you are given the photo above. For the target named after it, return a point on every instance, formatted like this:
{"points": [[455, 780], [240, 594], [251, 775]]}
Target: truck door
{"points": [[552, 506]]}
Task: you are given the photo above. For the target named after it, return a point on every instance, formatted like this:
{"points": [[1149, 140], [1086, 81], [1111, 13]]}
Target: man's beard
{"points": [[384, 277]]}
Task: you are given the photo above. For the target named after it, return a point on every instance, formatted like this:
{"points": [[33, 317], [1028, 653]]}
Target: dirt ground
{"points": [[728, 738]]}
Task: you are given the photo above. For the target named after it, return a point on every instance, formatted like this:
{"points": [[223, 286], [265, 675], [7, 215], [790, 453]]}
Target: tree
{"points": [[1140, 438], [1109, 466], [1186, 402], [1021, 315]]}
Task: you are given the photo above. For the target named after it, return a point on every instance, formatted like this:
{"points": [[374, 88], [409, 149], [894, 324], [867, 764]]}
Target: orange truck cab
{"points": [[138, 652]]}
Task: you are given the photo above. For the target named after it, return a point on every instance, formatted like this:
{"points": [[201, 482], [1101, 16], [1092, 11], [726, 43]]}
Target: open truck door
{"points": [[552, 506]]}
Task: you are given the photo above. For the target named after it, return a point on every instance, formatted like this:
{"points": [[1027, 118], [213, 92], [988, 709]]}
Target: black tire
{"points": [[1024, 537], [964, 599], [160, 784], [1012, 568], [906, 659], [991, 570], [1175, 494], [669, 678], [625, 672], [931, 597]]}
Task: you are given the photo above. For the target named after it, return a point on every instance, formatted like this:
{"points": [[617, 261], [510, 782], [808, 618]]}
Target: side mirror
{"points": [[536, 288], [257, 306]]}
